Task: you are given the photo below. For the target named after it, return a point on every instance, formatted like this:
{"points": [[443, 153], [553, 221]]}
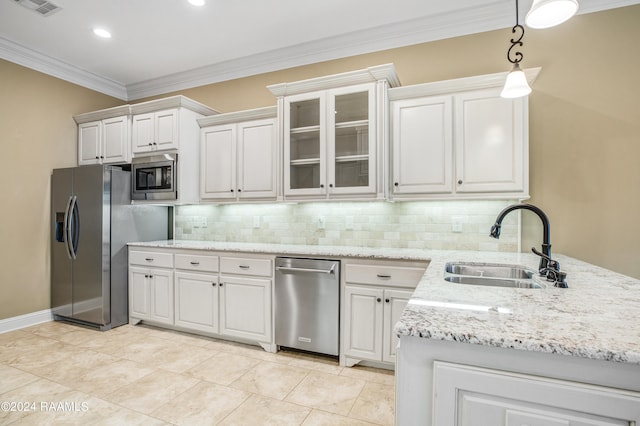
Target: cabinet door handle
{"points": [[146, 275], [321, 185], [330, 185], [102, 157], [384, 277], [213, 284], [387, 300], [244, 267], [150, 144], [149, 259], [150, 276], [239, 190], [220, 284], [459, 181], [378, 300], [231, 190], [195, 263], [97, 157], [396, 184], [155, 143]]}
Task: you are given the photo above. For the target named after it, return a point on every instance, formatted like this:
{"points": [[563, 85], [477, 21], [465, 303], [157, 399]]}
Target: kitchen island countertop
{"points": [[596, 317]]}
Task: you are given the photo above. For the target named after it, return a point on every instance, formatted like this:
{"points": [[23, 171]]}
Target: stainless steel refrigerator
{"points": [[92, 221]]}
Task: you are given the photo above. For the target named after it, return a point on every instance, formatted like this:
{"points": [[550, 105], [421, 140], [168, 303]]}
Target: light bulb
{"points": [[197, 2], [549, 13]]}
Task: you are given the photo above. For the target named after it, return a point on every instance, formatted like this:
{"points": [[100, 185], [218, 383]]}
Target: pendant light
{"points": [[549, 13], [516, 84]]}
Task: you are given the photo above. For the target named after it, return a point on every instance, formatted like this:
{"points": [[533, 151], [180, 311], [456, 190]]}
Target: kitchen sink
{"points": [[493, 270], [491, 274], [494, 282]]}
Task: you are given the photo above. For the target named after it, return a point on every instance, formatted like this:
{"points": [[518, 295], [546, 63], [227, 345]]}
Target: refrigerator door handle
{"points": [[67, 216], [73, 228]]}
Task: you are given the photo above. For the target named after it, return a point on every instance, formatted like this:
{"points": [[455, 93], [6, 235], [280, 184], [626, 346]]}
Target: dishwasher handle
{"points": [[317, 271]]}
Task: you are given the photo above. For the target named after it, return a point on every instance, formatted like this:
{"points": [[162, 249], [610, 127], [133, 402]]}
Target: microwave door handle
{"points": [[73, 228], [65, 230]]}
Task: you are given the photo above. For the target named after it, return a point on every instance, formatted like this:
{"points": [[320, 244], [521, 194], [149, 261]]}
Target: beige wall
{"points": [[38, 134], [584, 138]]}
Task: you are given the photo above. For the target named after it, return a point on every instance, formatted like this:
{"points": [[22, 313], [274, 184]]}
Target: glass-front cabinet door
{"points": [[351, 147], [329, 148], [305, 142]]}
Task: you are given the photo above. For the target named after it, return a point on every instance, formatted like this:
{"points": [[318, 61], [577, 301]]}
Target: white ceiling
{"points": [[166, 45]]}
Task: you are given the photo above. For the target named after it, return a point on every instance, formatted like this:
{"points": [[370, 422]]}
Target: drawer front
{"points": [[197, 262], [151, 258], [246, 266], [388, 276]]}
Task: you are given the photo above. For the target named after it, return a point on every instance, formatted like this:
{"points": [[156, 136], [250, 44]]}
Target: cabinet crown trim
{"points": [[234, 117], [172, 102], [368, 75], [446, 87], [102, 114]]}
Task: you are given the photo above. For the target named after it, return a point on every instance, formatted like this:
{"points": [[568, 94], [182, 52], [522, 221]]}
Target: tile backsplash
{"points": [[453, 225]]}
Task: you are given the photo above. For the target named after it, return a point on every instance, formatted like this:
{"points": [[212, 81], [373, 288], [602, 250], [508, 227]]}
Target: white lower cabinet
{"points": [[245, 297], [472, 396], [245, 308], [196, 301], [374, 297], [196, 291], [371, 314], [202, 292], [151, 294]]}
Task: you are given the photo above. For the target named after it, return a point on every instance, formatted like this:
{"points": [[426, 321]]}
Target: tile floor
{"points": [[58, 373]]}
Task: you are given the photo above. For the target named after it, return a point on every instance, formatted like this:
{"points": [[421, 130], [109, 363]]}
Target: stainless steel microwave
{"points": [[155, 177]]}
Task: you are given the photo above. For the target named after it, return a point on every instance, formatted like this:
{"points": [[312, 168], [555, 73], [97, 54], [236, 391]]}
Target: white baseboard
{"points": [[26, 320]]}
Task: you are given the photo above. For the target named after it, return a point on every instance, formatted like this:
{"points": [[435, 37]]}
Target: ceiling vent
{"points": [[42, 7]]}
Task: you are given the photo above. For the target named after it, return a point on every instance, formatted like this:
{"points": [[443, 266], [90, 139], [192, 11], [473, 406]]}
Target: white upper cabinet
{"points": [[422, 145], [239, 156], [155, 131], [459, 139], [104, 137], [167, 124], [490, 142], [334, 134]]}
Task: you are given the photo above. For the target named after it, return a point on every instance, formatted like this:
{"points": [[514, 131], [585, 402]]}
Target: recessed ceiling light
{"points": [[101, 32], [197, 2]]}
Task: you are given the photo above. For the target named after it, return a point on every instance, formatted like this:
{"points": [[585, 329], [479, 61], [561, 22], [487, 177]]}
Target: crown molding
{"points": [[103, 114], [177, 101], [26, 57], [457, 85], [367, 75], [234, 117]]}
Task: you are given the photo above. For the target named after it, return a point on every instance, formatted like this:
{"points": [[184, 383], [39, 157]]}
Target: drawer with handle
{"points": [[151, 258], [246, 266], [394, 276], [197, 262]]}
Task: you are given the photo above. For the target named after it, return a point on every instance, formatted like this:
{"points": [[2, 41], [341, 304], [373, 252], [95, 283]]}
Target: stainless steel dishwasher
{"points": [[307, 304]]}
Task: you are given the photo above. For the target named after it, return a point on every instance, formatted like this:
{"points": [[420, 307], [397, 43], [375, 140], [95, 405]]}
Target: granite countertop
{"points": [[596, 317]]}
